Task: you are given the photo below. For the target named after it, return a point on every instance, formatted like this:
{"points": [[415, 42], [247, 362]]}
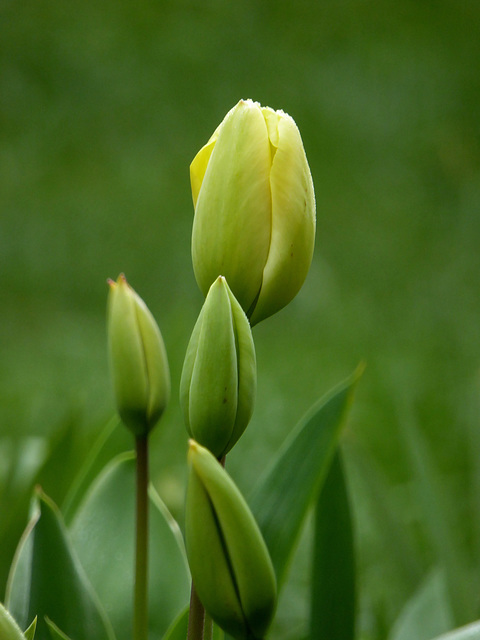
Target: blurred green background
{"points": [[103, 105]]}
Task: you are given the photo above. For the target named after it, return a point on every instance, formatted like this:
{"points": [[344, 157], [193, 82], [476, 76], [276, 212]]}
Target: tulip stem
{"points": [[140, 617], [196, 617]]}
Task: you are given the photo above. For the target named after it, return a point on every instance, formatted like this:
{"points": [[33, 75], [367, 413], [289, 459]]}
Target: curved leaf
{"points": [[104, 537], [281, 500], [48, 580]]}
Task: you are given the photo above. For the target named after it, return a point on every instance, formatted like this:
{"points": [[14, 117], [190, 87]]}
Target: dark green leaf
{"points": [[47, 580], [281, 500], [333, 568], [104, 537]]}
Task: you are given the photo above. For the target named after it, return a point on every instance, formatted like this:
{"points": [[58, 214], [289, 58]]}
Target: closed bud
{"points": [[229, 561], [254, 209], [218, 383], [138, 359]]}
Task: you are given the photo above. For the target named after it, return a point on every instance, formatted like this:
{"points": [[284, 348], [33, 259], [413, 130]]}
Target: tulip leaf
{"points": [[427, 613], [178, 629], [9, 629], [48, 580], [332, 613], [30, 632], [470, 632], [55, 632], [103, 533], [281, 500]]}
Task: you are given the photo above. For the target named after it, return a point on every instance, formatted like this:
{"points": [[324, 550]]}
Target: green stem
{"points": [[196, 617], [140, 611]]}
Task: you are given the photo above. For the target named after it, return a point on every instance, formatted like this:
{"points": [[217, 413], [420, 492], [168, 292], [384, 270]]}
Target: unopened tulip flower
{"points": [[138, 359], [229, 561], [218, 383], [254, 209]]}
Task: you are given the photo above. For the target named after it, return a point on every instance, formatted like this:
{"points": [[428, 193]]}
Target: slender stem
{"points": [[140, 616], [196, 617]]}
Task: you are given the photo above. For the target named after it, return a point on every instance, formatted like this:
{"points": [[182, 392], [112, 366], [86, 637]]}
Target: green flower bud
{"points": [[138, 359], [229, 561], [254, 209], [219, 379]]}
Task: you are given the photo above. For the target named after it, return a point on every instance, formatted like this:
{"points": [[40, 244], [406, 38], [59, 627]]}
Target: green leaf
{"points": [[470, 632], [104, 537], [427, 613], [178, 629], [438, 517], [47, 580], [9, 629], [281, 500], [332, 613], [30, 632], [55, 632]]}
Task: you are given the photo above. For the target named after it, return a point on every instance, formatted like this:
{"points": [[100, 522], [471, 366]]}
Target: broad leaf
{"points": [[9, 629], [104, 537], [47, 580], [333, 576], [427, 613], [281, 500]]}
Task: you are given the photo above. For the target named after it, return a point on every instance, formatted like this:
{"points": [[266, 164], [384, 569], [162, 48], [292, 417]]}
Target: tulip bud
{"points": [[218, 383], [138, 359], [229, 561], [254, 209]]}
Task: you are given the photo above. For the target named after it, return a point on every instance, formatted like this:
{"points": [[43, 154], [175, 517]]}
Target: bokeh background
{"points": [[103, 105]]}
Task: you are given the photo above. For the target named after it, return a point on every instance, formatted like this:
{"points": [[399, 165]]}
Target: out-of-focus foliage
{"points": [[102, 108]]}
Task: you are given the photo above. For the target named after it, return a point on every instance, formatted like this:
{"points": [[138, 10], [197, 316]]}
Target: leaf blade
{"points": [[281, 500], [333, 597]]}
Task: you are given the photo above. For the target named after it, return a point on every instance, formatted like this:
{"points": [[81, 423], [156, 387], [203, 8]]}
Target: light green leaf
{"points": [[104, 537], [470, 632], [30, 632], [47, 580], [427, 613], [55, 632], [9, 629], [281, 500], [332, 612]]}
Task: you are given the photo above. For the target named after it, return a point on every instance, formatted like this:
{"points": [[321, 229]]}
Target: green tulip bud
{"points": [[254, 209], [218, 383], [229, 561], [138, 359]]}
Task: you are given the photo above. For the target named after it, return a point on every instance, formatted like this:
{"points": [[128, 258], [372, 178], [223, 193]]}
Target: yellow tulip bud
{"points": [[218, 383], [254, 209], [229, 561], [138, 359]]}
